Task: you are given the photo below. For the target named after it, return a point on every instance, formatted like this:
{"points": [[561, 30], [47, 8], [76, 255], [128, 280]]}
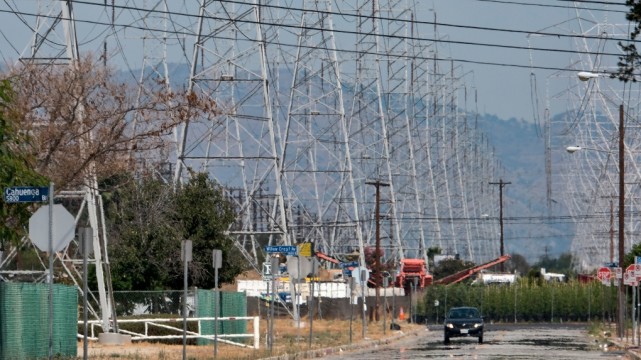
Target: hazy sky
{"points": [[487, 39], [506, 90]]}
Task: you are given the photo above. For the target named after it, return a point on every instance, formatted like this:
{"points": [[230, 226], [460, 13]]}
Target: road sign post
{"points": [[27, 194], [217, 259]]}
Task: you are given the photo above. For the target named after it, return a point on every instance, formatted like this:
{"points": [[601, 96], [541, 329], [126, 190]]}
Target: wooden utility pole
{"points": [[621, 289], [377, 254], [501, 184]]}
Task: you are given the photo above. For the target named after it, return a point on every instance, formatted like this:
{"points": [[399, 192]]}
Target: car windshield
{"points": [[463, 313]]}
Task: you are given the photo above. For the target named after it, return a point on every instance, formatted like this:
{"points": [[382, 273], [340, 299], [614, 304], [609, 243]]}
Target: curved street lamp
{"points": [[586, 75], [573, 149]]}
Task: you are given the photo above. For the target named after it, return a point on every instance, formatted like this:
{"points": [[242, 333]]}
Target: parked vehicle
{"points": [[463, 321]]}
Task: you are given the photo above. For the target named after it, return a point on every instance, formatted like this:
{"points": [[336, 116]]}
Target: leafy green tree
{"points": [[517, 263], [16, 169], [630, 61], [145, 238], [628, 259], [205, 215], [147, 222], [449, 267], [562, 264], [430, 255]]}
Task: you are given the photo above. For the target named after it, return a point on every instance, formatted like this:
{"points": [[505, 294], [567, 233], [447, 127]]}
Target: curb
{"points": [[633, 352], [319, 353]]}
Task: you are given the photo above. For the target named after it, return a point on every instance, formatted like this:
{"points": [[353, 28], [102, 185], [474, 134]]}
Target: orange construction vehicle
{"points": [[410, 270]]}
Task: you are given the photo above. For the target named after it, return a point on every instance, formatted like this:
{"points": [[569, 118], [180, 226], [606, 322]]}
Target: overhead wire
{"points": [[343, 50], [521, 3], [176, 32]]}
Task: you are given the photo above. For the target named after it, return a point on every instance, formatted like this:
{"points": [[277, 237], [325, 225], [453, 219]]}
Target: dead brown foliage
{"points": [[82, 121]]}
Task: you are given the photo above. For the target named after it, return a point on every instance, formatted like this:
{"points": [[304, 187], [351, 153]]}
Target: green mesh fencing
{"points": [[231, 304], [24, 321]]}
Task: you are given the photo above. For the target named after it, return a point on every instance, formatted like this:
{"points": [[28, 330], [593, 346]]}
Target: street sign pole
{"points": [[50, 277], [352, 286], [28, 194], [186, 256], [385, 283], [275, 266], [393, 274], [218, 263], [363, 276]]}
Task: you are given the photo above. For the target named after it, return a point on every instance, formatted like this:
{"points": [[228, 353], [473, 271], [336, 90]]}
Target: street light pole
{"points": [[585, 76]]}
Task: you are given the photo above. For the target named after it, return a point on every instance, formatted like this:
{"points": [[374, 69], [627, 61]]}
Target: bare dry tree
{"points": [[82, 121]]}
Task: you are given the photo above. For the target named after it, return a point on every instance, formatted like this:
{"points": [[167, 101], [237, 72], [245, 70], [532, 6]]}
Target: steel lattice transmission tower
{"points": [[238, 148], [54, 43], [317, 163]]}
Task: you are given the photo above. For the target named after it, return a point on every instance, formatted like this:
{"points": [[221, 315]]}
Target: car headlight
{"points": [[450, 326], [477, 325]]}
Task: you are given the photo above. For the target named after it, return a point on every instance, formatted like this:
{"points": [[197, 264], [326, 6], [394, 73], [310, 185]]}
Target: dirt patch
{"points": [[288, 339]]}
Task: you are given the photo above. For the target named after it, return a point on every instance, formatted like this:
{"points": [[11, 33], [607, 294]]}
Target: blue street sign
{"points": [[637, 259], [346, 268], [284, 249], [19, 194], [349, 264]]}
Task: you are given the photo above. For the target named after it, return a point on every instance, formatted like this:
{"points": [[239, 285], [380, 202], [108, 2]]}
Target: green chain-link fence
{"points": [[24, 320], [231, 304]]}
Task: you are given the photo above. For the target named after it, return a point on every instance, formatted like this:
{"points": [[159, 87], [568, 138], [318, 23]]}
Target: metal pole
{"points": [[217, 257], [217, 296], [385, 280], [185, 252], [50, 277], [296, 291], [363, 306], [311, 310], [393, 295], [86, 240], [634, 313], [351, 305], [269, 321], [271, 310], [620, 292], [184, 309], [275, 263], [638, 315]]}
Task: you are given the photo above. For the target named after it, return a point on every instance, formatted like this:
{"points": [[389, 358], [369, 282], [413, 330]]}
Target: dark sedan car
{"points": [[463, 321]]}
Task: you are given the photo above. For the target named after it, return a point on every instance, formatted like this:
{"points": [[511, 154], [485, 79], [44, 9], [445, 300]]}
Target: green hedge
{"points": [[526, 300]]}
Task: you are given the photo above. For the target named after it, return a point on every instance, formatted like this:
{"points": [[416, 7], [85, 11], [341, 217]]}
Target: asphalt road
{"points": [[517, 341]]}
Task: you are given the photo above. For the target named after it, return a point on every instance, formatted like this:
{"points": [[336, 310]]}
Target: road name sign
{"points": [[20, 194], [282, 249], [348, 267]]}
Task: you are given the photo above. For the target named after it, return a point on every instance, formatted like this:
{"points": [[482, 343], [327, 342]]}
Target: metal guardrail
{"points": [[161, 323]]}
